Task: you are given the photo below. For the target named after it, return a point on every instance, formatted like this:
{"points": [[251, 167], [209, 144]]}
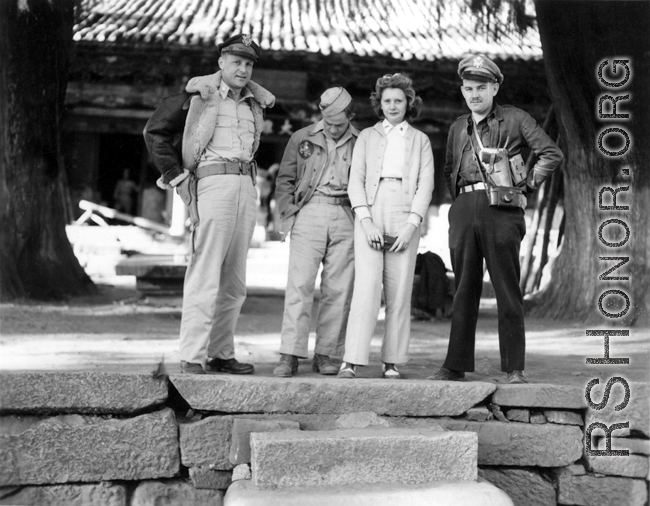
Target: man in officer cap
{"points": [[311, 192], [220, 119], [479, 231]]}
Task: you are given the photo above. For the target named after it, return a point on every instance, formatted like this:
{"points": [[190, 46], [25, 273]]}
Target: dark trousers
{"points": [[476, 232]]}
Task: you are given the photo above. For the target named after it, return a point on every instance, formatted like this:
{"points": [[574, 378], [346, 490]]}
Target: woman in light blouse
{"points": [[390, 187]]}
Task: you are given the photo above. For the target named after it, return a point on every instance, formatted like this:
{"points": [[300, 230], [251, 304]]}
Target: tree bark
{"points": [[36, 258], [576, 38]]}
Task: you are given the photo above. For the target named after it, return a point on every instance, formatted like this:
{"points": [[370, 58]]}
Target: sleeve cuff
{"points": [[171, 175], [414, 219], [362, 212], [180, 178]]}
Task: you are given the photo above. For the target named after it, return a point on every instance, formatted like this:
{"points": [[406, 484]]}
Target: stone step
{"points": [[255, 394], [243, 493], [294, 458], [81, 392]]}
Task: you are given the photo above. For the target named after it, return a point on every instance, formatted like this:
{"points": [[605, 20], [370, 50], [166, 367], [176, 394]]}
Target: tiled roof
{"points": [[402, 29]]}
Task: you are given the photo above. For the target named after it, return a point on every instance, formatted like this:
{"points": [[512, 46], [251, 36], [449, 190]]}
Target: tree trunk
{"points": [[577, 37], [36, 258]]}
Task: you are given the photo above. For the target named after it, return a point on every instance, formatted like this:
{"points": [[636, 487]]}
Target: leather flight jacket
{"points": [[509, 128]]}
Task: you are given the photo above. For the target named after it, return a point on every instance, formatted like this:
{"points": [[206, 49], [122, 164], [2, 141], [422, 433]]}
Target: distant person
{"points": [[220, 118], [484, 176], [123, 193], [391, 185], [312, 197]]}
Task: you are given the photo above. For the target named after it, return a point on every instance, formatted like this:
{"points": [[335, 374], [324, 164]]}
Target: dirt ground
{"points": [[119, 331]]}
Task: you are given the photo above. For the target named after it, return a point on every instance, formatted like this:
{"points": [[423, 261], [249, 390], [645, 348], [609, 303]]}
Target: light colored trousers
{"points": [[374, 268], [322, 233], [215, 281]]}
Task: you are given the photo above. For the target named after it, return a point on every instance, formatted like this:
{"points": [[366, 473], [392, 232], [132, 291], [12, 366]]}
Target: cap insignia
{"points": [[246, 40], [478, 62]]}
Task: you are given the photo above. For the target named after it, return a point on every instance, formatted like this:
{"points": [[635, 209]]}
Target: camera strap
{"points": [[479, 164]]}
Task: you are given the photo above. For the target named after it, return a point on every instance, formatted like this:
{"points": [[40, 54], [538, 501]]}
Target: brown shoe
{"points": [[287, 367], [191, 368], [323, 365], [447, 375], [230, 366]]}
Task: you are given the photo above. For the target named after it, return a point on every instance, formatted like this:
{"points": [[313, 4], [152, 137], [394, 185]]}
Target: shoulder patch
{"points": [[306, 149]]}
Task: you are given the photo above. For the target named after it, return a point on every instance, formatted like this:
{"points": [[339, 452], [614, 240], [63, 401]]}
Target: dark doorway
{"points": [[119, 153]]}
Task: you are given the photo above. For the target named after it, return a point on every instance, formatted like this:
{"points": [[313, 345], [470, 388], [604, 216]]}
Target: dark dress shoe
{"points": [[230, 366], [191, 368], [447, 375]]}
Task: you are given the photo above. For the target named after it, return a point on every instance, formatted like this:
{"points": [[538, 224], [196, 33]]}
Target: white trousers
{"points": [[374, 268], [322, 233], [215, 281]]}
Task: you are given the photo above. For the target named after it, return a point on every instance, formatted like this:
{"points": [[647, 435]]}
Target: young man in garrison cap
{"points": [[479, 231], [219, 120], [312, 197]]}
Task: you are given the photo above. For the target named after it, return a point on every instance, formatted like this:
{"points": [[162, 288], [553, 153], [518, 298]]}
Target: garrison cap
{"points": [[479, 68], [242, 45], [334, 101]]}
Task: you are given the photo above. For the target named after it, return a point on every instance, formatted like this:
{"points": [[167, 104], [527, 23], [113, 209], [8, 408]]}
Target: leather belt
{"points": [[218, 168], [471, 188], [390, 178], [335, 201]]}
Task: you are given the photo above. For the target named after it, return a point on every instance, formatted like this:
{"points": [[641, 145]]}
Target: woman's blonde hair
{"points": [[400, 82]]}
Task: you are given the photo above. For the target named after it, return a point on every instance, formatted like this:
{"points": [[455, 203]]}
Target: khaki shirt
{"points": [[334, 180], [234, 133]]}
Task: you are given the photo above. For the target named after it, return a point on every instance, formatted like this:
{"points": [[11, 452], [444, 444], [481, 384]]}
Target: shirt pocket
{"points": [[222, 137]]}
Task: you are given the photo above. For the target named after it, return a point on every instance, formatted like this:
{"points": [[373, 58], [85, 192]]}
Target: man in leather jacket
{"points": [[312, 197], [219, 119], [479, 231]]}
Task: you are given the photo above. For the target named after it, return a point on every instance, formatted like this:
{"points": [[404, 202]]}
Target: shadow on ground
{"points": [[118, 331]]}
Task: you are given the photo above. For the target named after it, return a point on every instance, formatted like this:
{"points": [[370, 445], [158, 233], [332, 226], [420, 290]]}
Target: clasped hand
{"points": [[376, 239]]}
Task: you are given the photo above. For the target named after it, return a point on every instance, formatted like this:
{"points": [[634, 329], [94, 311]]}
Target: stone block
{"points": [[244, 493], [361, 421], [95, 494], [203, 477], [573, 469], [589, 490], [76, 448], [174, 493], [373, 455], [80, 392], [416, 423], [479, 414], [207, 443], [306, 421], [522, 444], [518, 415], [241, 472], [633, 445], [540, 395], [637, 411], [563, 417], [525, 487], [240, 449], [632, 466], [234, 394], [537, 417]]}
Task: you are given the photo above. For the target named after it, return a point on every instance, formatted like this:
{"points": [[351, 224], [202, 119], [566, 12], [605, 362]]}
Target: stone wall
{"points": [[131, 439]]}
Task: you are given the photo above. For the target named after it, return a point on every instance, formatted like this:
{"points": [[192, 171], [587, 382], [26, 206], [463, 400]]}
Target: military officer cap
{"points": [[479, 67], [241, 45], [333, 101]]}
